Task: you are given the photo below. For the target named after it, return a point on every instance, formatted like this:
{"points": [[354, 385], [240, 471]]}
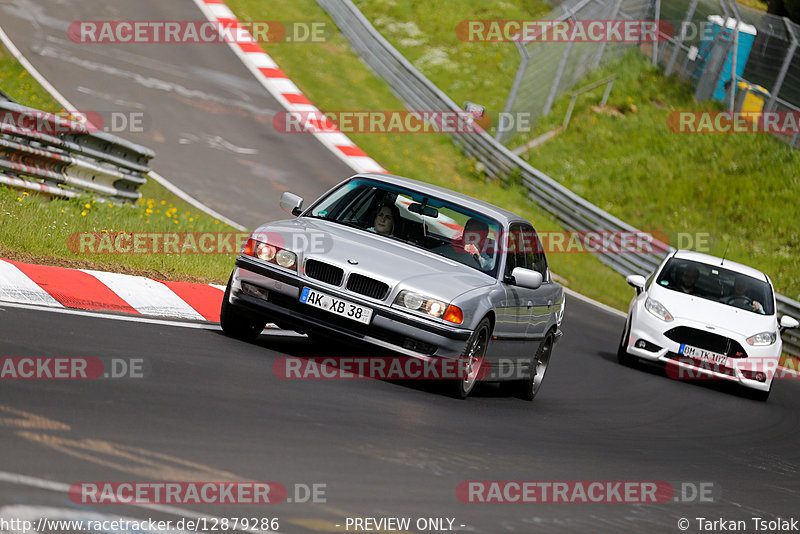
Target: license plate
{"points": [[335, 305], [703, 355]]}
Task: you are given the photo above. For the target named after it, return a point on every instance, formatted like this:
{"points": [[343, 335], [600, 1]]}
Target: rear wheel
{"points": [[530, 386], [236, 322], [622, 351], [472, 359]]}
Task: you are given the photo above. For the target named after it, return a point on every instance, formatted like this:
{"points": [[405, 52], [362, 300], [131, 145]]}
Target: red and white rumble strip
{"points": [[86, 289], [284, 90]]}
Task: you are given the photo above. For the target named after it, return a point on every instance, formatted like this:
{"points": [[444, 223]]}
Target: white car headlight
{"points": [[658, 309], [762, 339]]}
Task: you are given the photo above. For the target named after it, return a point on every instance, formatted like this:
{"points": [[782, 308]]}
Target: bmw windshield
{"points": [[435, 225]]}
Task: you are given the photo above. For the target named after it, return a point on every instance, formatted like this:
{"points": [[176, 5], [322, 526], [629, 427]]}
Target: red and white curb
{"points": [[85, 289], [282, 88]]}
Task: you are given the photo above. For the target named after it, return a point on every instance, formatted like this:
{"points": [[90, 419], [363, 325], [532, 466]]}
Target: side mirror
{"points": [[527, 278], [636, 281], [292, 203], [788, 322]]}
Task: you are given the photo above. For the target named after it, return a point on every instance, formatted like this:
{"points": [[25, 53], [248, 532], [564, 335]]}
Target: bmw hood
{"points": [[390, 261]]}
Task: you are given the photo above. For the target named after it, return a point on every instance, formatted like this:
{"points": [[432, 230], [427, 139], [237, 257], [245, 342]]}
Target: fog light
{"points": [[759, 376], [255, 291]]}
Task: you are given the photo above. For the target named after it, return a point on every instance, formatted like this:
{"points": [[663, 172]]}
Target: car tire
{"points": [[472, 359], [622, 351], [531, 385], [237, 323]]}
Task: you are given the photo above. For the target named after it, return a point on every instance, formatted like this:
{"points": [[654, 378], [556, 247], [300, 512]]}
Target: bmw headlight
{"points": [[270, 253], [429, 306], [762, 339], [658, 309]]}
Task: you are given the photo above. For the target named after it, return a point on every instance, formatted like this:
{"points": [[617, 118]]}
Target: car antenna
{"points": [[726, 252]]}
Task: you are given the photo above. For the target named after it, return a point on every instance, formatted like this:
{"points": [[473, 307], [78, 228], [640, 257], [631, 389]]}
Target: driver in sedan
{"points": [[474, 238]]}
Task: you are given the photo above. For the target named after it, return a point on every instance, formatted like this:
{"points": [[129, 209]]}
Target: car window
{"points": [[716, 283], [516, 255], [535, 252]]}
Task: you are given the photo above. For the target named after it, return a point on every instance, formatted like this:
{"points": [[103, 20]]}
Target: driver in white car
{"points": [[740, 298]]}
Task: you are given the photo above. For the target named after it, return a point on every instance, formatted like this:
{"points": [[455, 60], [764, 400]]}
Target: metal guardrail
{"points": [[49, 154], [572, 211]]}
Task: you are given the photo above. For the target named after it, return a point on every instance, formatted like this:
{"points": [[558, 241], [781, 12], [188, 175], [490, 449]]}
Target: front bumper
{"points": [[389, 328], [648, 342]]}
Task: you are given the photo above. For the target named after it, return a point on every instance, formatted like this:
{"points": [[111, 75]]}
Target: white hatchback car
{"points": [[705, 317]]}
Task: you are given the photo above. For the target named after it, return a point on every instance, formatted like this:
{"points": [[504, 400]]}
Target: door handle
{"points": [[530, 304], [549, 303]]}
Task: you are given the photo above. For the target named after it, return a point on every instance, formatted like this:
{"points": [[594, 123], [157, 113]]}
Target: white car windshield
{"points": [[718, 284], [436, 225]]}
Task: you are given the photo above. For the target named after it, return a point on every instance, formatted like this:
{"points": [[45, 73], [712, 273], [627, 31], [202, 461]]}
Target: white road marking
{"points": [[271, 329], [98, 315], [593, 302]]}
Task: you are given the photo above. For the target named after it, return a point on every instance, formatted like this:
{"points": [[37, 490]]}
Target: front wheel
{"points": [[237, 323], [533, 382], [472, 359]]}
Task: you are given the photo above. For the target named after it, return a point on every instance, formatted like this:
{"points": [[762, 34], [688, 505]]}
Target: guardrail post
{"points": [[655, 43], [512, 95], [679, 42], [601, 49], [738, 18], [548, 105], [787, 61]]}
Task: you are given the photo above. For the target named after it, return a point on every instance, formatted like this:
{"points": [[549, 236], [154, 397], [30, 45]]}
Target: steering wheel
{"points": [[477, 259], [744, 298]]}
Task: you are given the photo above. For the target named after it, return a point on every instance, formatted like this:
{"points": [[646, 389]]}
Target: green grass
{"points": [[425, 32], [36, 229], [20, 85]]}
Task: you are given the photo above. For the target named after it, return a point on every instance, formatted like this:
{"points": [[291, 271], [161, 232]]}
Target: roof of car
{"points": [[714, 260], [490, 210]]}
